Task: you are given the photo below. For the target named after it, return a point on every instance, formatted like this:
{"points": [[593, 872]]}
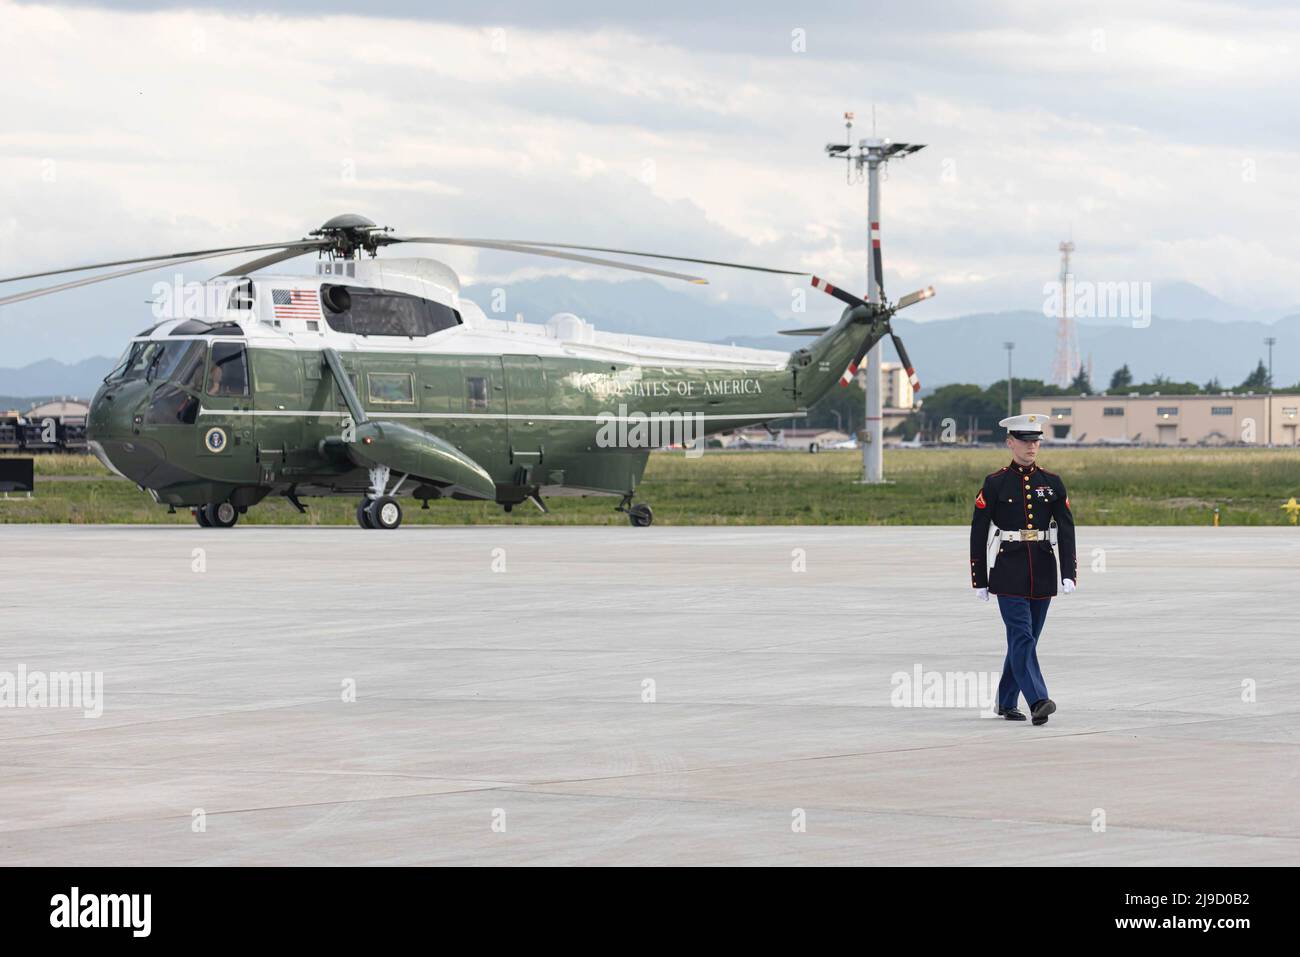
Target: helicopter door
{"points": [[526, 397], [225, 422], [279, 423], [479, 430]]}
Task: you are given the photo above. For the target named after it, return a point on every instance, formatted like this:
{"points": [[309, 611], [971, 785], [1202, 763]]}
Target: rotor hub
{"points": [[350, 233]]}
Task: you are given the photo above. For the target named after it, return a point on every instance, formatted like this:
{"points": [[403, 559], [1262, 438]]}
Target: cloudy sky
{"points": [[1161, 136]]}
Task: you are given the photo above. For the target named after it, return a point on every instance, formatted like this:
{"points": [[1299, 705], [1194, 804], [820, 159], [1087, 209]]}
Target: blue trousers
{"points": [[1024, 619]]}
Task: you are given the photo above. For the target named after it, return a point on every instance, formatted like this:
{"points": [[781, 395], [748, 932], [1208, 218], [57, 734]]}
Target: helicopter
{"points": [[373, 377]]}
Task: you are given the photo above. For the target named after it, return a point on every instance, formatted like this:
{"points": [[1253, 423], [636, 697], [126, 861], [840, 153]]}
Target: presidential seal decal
{"points": [[215, 440]]}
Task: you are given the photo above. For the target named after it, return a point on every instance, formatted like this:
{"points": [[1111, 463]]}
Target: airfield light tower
{"points": [[873, 153], [1066, 365]]}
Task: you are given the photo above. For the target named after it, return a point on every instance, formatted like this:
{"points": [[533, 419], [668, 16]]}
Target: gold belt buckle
{"points": [[1029, 534]]}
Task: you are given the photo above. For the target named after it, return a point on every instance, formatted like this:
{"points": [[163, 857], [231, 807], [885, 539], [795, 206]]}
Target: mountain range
{"points": [[1193, 336]]}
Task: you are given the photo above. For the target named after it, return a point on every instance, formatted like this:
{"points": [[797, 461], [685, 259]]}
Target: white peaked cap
{"points": [[1028, 422]]}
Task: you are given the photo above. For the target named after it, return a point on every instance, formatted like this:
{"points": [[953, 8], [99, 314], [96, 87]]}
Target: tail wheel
{"points": [[363, 514], [384, 512], [221, 514], [201, 516], [640, 515]]}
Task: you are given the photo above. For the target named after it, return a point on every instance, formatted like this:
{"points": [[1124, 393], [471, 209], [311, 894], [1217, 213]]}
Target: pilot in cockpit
{"points": [[227, 377]]}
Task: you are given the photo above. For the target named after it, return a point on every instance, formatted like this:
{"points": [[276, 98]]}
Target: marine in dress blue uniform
{"points": [[1026, 506]]}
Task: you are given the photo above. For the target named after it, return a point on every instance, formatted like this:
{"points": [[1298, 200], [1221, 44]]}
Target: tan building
{"points": [[59, 409], [895, 387], [1170, 419]]}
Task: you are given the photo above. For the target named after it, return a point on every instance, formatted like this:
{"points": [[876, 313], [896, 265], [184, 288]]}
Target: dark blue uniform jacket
{"points": [[1022, 497]]}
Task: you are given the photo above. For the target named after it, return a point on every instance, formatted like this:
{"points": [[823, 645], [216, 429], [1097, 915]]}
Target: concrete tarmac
{"points": [[516, 695]]}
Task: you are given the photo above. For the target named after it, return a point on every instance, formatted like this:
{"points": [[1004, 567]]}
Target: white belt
{"points": [[999, 535], [1028, 534]]}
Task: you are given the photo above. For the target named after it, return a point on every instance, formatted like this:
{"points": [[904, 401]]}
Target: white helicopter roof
{"points": [[300, 323]]}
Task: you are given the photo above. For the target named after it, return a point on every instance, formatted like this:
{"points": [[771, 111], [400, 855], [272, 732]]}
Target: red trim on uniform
{"points": [[979, 500]]}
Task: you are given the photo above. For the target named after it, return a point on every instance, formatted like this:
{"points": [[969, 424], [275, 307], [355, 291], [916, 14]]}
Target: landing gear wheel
{"points": [[221, 514], [384, 513], [640, 515], [363, 513], [200, 514]]}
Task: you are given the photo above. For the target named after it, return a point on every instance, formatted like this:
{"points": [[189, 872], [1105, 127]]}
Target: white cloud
{"points": [[134, 132]]}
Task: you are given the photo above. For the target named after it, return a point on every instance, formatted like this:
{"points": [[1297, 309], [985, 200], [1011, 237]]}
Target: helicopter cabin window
{"points": [[477, 388], [380, 312], [228, 372], [391, 388], [241, 296]]}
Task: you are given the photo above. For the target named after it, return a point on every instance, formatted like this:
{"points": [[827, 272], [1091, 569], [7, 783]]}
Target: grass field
{"points": [[926, 487]]}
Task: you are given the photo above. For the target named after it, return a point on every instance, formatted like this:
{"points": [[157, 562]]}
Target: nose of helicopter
{"points": [[112, 433]]}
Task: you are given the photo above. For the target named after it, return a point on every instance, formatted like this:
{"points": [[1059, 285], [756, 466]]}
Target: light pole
{"points": [[1009, 346], [871, 153], [1268, 418]]}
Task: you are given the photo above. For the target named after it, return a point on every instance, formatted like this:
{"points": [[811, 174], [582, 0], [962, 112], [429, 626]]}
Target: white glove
{"points": [[982, 594], [1067, 585]]}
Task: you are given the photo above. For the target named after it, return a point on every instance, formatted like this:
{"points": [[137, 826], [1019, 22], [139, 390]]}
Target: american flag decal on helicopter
{"points": [[296, 303]]}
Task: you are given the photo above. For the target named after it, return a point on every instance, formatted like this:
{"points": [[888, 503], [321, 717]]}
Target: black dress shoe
{"points": [[1011, 714], [1042, 709]]}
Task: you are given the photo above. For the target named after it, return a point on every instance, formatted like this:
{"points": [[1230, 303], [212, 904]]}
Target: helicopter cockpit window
{"points": [[171, 357], [189, 370], [172, 405], [137, 362], [378, 312], [241, 295], [124, 363], [228, 374]]}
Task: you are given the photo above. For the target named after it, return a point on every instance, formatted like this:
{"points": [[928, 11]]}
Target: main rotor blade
{"points": [[190, 256], [633, 252], [103, 277], [907, 363], [856, 364], [877, 267], [843, 295], [536, 251], [912, 298], [279, 256]]}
